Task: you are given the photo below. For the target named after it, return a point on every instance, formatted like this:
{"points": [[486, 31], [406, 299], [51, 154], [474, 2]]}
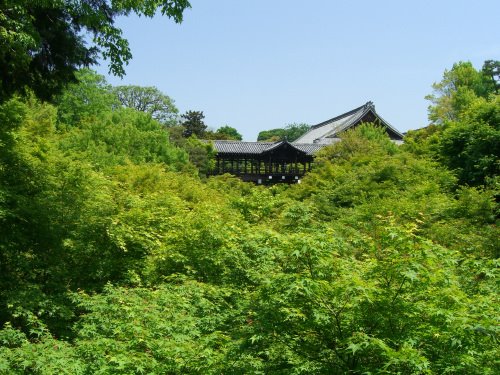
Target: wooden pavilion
{"points": [[275, 162], [264, 162]]}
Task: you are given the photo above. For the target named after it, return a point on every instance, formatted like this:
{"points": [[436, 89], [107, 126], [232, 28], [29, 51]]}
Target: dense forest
{"points": [[119, 256]]}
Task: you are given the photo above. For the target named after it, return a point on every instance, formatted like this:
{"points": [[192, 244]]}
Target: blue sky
{"points": [[257, 65]]}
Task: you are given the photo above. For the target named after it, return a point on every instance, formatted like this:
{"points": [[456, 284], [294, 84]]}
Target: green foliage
{"points": [[491, 69], [459, 87], [224, 132], [149, 100], [193, 124], [171, 329], [467, 111], [115, 257], [47, 198], [290, 132], [396, 309], [366, 139], [201, 154], [57, 206], [90, 99], [122, 137], [48, 356], [97, 129], [472, 150], [43, 44]]}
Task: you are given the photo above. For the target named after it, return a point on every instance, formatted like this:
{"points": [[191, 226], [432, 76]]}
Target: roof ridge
{"points": [[396, 131], [235, 141], [279, 144], [273, 146], [365, 106]]}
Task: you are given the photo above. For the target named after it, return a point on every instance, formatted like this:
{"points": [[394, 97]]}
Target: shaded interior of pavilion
{"points": [[262, 162]]}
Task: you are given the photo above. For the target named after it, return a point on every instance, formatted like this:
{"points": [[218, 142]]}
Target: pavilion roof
{"points": [[326, 130], [317, 137], [257, 148]]}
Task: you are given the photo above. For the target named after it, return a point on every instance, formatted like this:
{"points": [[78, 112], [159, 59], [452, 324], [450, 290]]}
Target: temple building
{"points": [[264, 162], [327, 132], [283, 161]]}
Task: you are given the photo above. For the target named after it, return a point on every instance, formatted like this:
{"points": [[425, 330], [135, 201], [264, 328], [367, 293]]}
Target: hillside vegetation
{"points": [[117, 258]]}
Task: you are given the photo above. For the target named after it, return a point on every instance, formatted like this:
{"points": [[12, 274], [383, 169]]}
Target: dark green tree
{"points": [[228, 132], [291, 132], [193, 123], [223, 133], [471, 146], [44, 42], [491, 68], [272, 135], [295, 130]]}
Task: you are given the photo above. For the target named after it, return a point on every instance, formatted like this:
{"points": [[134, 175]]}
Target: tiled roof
{"points": [[317, 137], [321, 132], [309, 148], [255, 148], [238, 147]]}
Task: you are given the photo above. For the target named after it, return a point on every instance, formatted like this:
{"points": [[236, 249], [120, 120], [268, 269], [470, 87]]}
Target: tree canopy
{"points": [[465, 131], [461, 84], [491, 68], [229, 133], [290, 132], [225, 132], [43, 43], [119, 256], [193, 123], [149, 100]]}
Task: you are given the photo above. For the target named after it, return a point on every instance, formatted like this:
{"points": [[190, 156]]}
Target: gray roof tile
{"points": [[309, 148], [321, 132], [238, 147], [256, 148], [317, 137]]}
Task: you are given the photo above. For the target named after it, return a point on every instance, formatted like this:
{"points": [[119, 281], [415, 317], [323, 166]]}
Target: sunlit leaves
{"points": [[168, 329], [117, 258]]}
